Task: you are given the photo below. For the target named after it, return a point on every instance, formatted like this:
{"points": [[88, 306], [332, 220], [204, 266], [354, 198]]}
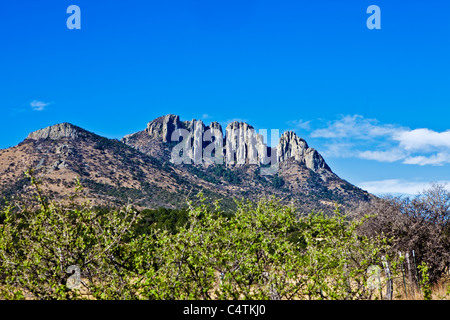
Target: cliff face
{"points": [[292, 146], [240, 146]]}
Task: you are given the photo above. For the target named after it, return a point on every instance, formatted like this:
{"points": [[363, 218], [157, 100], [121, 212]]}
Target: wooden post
{"points": [[403, 274], [409, 273], [415, 268], [388, 276], [347, 277], [374, 280]]}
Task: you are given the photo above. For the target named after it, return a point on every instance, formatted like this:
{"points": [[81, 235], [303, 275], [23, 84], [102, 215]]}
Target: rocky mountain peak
{"points": [[162, 127], [215, 125], [292, 146], [241, 144], [58, 131]]}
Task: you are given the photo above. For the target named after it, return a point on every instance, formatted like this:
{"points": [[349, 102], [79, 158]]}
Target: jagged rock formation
{"points": [[292, 146], [163, 127], [240, 146], [206, 144]]}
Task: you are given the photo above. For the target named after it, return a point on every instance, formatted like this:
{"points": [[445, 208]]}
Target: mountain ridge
{"points": [[138, 168], [241, 144]]}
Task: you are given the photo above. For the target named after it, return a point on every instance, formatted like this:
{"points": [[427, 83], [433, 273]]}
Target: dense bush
{"points": [[38, 245], [263, 251], [228, 175], [277, 182], [161, 219]]}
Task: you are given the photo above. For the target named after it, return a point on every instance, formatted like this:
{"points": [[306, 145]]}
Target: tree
{"points": [[254, 255], [38, 245], [420, 224]]}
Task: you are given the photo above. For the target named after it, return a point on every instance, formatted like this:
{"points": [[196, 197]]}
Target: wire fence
{"points": [[400, 278]]}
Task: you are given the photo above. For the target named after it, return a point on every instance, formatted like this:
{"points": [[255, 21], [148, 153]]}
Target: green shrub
{"points": [[262, 251], [37, 245], [425, 281]]}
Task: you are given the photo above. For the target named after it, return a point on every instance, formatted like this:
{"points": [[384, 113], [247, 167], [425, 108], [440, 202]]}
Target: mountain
{"points": [[171, 161]]}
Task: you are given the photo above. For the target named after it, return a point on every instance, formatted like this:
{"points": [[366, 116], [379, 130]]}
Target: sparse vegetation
{"points": [[228, 175], [277, 182]]}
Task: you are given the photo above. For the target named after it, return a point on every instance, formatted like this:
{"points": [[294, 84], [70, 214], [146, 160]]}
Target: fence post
{"points": [[409, 273], [403, 274], [374, 280], [388, 276], [415, 268], [347, 277]]}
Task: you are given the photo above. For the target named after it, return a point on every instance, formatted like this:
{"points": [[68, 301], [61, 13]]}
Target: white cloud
{"points": [[438, 159], [300, 124], [338, 150], [423, 139], [397, 186], [205, 116], [370, 140], [383, 156], [355, 127], [38, 105]]}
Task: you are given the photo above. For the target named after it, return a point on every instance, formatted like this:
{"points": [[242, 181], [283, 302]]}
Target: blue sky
{"points": [[375, 103]]}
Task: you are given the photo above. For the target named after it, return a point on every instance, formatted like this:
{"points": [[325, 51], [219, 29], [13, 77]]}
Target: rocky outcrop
{"points": [[206, 144], [58, 131], [314, 161], [240, 146], [292, 146], [138, 169], [196, 130], [163, 127]]}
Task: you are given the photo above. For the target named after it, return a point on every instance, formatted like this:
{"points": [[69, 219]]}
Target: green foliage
{"points": [[37, 245], [425, 281], [113, 145], [227, 174], [203, 174], [262, 251], [162, 218], [319, 190], [277, 182]]}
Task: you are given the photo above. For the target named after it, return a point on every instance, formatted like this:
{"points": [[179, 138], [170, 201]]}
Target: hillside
{"points": [[140, 168]]}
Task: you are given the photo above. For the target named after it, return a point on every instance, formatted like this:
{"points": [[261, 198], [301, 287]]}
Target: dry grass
{"points": [[440, 291]]}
